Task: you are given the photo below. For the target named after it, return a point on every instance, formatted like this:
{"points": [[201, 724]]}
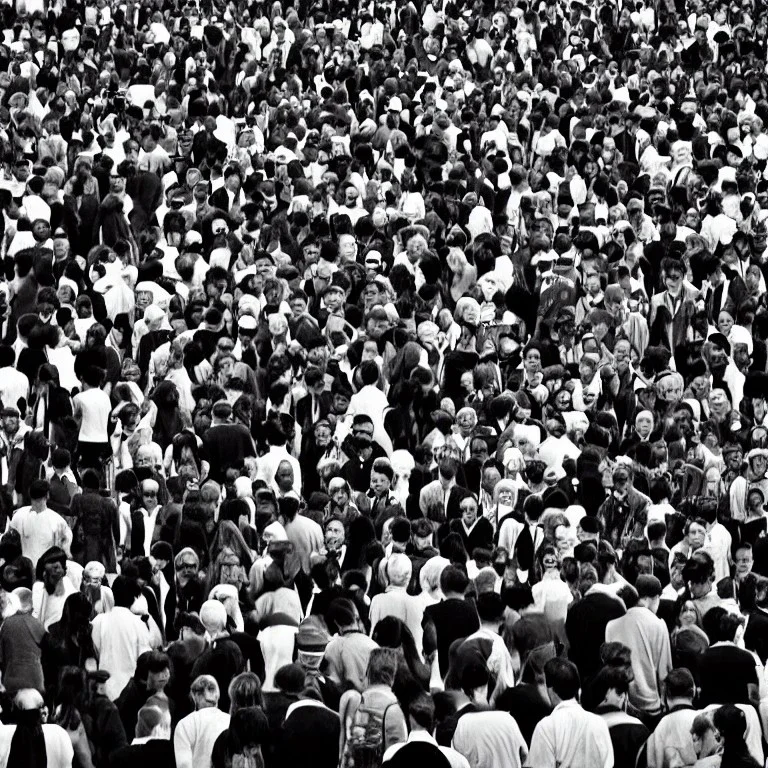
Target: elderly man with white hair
{"points": [[33, 741], [396, 601], [196, 734], [223, 659]]}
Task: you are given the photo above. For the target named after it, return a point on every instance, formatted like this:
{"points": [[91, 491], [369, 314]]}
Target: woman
{"points": [[687, 640], [731, 723], [52, 408], [67, 713], [168, 421], [244, 740], [244, 694], [412, 677], [184, 451], [707, 742], [341, 505], [69, 641]]}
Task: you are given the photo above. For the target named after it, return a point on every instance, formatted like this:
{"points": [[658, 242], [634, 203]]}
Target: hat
{"points": [[395, 104], [312, 636]]}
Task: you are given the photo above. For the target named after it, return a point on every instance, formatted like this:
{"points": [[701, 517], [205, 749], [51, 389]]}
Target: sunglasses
{"points": [[186, 566]]}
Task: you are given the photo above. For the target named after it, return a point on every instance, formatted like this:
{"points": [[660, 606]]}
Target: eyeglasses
{"points": [[186, 567], [151, 494]]}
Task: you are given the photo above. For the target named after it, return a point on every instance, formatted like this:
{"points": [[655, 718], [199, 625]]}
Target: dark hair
{"points": [[125, 591], [453, 579], [609, 678], [679, 683], [563, 678], [422, 710]]}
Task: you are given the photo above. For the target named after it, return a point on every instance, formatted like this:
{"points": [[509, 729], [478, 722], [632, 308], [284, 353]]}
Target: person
{"points": [[196, 733], [376, 700], [152, 745], [569, 736], [648, 639], [120, 637], [310, 730], [22, 638], [53, 585], [348, 653], [707, 741], [452, 618], [731, 724], [672, 737], [222, 659], [726, 672], [32, 740], [40, 528], [628, 734], [421, 745]]}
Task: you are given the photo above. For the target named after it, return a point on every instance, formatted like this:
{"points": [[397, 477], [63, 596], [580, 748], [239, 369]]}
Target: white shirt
{"points": [[58, 746], [270, 461], [570, 738], [195, 736], [95, 407], [40, 531], [372, 402], [456, 759], [490, 740], [120, 638], [13, 385]]}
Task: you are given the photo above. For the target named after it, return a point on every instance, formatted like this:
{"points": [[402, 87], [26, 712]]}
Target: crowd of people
{"points": [[384, 384]]}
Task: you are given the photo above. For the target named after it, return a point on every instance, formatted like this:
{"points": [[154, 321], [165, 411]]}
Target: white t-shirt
{"points": [[95, 407]]}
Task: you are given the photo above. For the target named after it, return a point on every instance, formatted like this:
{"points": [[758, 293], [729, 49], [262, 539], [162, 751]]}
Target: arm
{"points": [[182, 746], [542, 753]]}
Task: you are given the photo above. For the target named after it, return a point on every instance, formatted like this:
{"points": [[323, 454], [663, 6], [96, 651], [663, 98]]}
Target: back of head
{"points": [[213, 614], [563, 678], [399, 570], [453, 580], [24, 596], [244, 691], [731, 722], [150, 719], [679, 684], [382, 667]]}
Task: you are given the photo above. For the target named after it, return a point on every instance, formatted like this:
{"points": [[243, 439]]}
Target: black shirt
{"points": [[525, 704], [725, 672]]}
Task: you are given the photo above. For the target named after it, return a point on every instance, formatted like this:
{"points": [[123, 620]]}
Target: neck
{"points": [[38, 505]]}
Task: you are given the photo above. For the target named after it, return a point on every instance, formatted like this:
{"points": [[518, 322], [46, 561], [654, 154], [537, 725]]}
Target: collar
{"points": [[423, 736], [570, 704], [304, 703]]}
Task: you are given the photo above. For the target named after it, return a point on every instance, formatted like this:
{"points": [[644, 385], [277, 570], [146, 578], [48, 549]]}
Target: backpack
{"points": [[365, 745]]}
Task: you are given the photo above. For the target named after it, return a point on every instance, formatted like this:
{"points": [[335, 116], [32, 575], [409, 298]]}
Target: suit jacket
{"points": [[431, 502], [728, 295], [220, 199], [304, 410]]}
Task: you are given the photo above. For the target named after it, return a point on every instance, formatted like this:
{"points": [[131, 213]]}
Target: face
{"points": [[673, 281], [696, 535], [725, 323], [533, 361], [186, 569], [688, 614], [284, 476], [334, 535], [468, 509], [743, 562], [379, 483], [149, 497], [156, 681]]}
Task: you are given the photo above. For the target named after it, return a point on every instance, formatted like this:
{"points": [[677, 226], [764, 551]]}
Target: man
{"points": [[270, 462], [183, 653], [647, 637], [586, 622], [347, 653], [725, 676], [52, 586], [672, 309], [24, 744], [152, 745], [40, 528], [309, 734], [223, 658], [120, 637], [144, 519], [673, 733], [187, 592], [439, 500], [624, 513], [452, 619], [14, 385], [486, 646], [317, 403], [226, 444], [421, 748], [197, 733], [569, 737], [628, 734], [21, 642]]}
